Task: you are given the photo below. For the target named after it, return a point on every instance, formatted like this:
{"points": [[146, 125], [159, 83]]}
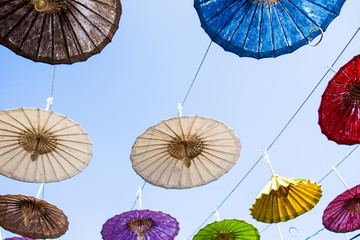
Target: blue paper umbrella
{"points": [[265, 28]]}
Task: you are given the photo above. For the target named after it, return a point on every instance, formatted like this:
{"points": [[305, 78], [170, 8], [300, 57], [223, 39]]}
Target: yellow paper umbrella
{"points": [[285, 198]]}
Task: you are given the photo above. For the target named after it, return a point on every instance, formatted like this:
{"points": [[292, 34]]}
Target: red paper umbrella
{"points": [[339, 114], [343, 213]]}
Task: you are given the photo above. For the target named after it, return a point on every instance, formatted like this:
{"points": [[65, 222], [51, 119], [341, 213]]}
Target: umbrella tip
{"points": [[34, 155], [187, 162]]}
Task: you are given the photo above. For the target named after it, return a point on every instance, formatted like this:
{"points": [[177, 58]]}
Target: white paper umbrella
{"points": [[37, 145], [185, 152]]}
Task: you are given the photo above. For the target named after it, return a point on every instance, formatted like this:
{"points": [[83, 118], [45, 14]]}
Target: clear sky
{"points": [[137, 81]]}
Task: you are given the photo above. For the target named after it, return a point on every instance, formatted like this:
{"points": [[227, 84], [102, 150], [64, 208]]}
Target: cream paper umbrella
{"points": [[38, 145], [185, 152]]}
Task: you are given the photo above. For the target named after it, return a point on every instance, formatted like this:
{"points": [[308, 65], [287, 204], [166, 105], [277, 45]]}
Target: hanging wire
{"points": [[355, 237], [137, 198], [281, 132], [315, 234]]}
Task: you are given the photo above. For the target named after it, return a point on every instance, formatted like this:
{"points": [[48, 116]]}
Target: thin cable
{"points": [[197, 72], [287, 124], [52, 85], [315, 234], [137, 198], [355, 237]]}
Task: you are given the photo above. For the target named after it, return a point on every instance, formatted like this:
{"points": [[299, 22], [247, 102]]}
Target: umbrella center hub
{"points": [[186, 149], [37, 144], [49, 6], [31, 211], [355, 95], [264, 2], [224, 236], [354, 204], [282, 193], [140, 226]]}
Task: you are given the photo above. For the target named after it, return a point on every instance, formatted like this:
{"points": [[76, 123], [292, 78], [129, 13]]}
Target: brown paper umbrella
{"points": [[31, 217], [58, 31], [41, 146], [185, 152]]}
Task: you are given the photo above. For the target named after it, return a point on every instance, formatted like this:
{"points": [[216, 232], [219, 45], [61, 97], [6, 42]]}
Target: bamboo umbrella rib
{"points": [[148, 158], [52, 167], [208, 160], [59, 145], [169, 162], [223, 159], [175, 134], [73, 34], [160, 161], [29, 29], [27, 118], [64, 39], [66, 160], [9, 160], [192, 125], [199, 173], [18, 22], [171, 173]]}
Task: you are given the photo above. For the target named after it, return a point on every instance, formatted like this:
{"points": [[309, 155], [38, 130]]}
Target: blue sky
{"points": [[137, 81]]}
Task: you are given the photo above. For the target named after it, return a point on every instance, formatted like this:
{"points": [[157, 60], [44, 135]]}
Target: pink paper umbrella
{"points": [[343, 213], [140, 225]]}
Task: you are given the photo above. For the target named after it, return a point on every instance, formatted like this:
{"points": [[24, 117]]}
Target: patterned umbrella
{"points": [[265, 28], [339, 111], [185, 152], [141, 225], [343, 213], [284, 198], [31, 217], [228, 229], [58, 31], [41, 146]]}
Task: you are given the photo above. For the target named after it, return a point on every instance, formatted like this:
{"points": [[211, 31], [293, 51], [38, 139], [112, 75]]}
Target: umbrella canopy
{"points": [[339, 111], [265, 28], [58, 31], [343, 213], [31, 217], [285, 198], [185, 152], [41, 146], [141, 225], [228, 229], [19, 238]]}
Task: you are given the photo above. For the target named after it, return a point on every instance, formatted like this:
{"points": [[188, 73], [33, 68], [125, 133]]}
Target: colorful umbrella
{"points": [[58, 31], [228, 229], [41, 146], [339, 112], [141, 225], [31, 217], [185, 152], [343, 213], [265, 28], [285, 198]]}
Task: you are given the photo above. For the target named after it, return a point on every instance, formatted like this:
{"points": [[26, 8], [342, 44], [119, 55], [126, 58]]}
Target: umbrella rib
{"points": [[272, 31], [46, 122], [52, 167], [238, 25], [181, 128], [351, 127], [16, 163], [27, 118], [52, 37], [212, 163], [281, 25], [213, 155], [197, 169], [73, 34], [44, 17], [72, 141], [151, 163], [156, 162], [90, 20], [87, 153], [296, 25], [64, 37], [303, 14], [164, 122], [339, 119], [224, 8], [61, 164], [192, 125], [28, 30], [61, 129], [18, 22], [148, 158], [164, 170], [260, 28], [16, 121], [16, 147], [248, 30], [111, 6], [329, 10], [171, 173]]}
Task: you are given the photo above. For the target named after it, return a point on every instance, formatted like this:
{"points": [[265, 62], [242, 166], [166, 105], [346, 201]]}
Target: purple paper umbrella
{"points": [[19, 238], [141, 225], [343, 213]]}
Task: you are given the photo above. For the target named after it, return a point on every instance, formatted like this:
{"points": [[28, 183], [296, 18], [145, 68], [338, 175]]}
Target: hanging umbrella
{"points": [[265, 28], [31, 217], [185, 152], [41, 146], [58, 31], [285, 198], [141, 225], [339, 110], [228, 229], [343, 213]]}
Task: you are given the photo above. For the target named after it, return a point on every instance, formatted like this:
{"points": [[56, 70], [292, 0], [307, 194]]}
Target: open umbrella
{"points": [[228, 229], [265, 28], [31, 217], [343, 213], [37, 145], [339, 111], [141, 225], [285, 198], [58, 31], [185, 152]]}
